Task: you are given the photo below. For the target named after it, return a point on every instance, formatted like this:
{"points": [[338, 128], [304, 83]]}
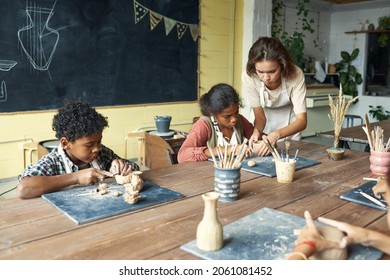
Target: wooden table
{"points": [[357, 135], [34, 229]]}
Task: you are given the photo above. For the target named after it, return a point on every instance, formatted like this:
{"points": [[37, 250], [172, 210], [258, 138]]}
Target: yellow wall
{"points": [[215, 64]]}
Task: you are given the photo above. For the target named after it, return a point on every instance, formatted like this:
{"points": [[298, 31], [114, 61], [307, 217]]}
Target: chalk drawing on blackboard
{"points": [[3, 92], [141, 11], [37, 39], [6, 65]]}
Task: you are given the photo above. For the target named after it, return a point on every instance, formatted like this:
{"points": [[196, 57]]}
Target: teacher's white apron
{"points": [[279, 112]]}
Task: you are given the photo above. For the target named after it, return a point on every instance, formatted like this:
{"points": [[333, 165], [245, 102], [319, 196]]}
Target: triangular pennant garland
{"points": [[169, 24], [181, 29], [154, 19], [194, 31], [140, 11]]}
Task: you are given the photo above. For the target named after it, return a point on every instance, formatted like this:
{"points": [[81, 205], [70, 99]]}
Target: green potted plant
{"points": [[379, 113], [349, 77], [294, 43], [383, 24]]}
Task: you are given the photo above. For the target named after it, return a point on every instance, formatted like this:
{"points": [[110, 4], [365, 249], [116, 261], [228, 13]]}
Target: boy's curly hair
{"points": [[77, 119]]}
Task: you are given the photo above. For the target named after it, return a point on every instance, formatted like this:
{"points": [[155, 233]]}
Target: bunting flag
{"points": [[169, 24], [139, 11], [181, 29], [154, 19]]}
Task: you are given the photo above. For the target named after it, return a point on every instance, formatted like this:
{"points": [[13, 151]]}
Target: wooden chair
{"points": [[153, 151], [31, 148]]}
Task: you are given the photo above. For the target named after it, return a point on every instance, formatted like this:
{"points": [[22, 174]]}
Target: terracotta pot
{"points": [[335, 153], [380, 163], [331, 69]]}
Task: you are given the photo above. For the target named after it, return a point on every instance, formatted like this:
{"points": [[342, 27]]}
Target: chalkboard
{"points": [[108, 52]]}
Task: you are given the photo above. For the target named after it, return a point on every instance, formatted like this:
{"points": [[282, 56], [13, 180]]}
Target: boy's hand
{"points": [[89, 176], [120, 167]]}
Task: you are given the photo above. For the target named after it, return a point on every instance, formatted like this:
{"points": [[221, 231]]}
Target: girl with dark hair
{"points": [[276, 91], [220, 125]]}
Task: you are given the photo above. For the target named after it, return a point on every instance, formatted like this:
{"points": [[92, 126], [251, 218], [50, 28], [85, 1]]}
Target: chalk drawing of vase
{"points": [[3, 92], [37, 39]]}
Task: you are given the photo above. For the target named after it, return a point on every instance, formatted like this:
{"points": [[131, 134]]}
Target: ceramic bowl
{"points": [[335, 153], [380, 163]]}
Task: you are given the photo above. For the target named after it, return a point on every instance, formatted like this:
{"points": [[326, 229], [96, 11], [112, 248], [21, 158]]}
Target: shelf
{"points": [[367, 31]]}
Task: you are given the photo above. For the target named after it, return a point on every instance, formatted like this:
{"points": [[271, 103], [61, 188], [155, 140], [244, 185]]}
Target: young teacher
{"points": [[276, 91]]}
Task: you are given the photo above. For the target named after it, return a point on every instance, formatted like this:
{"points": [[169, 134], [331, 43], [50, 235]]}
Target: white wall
{"points": [[257, 22], [334, 21], [351, 20]]}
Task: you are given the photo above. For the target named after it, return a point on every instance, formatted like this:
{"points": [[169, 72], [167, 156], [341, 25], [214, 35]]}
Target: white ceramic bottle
{"points": [[209, 235]]}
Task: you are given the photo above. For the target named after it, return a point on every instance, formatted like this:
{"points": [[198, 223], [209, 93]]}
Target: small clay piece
{"points": [[132, 197], [132, 181], [115, 193], [251, 163], [133, 184], [331, 233], [103, 192], [103, 186], [121, 180]]}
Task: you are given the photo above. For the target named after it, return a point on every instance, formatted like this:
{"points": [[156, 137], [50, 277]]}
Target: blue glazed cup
{"points": [[162, 123], [227, 183]]}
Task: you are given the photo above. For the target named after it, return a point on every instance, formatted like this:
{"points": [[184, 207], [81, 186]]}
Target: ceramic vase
{"points": [[209, 234], [227, 183], [380, 163]]}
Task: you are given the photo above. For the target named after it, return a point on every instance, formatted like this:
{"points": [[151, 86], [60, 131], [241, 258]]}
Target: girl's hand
{"points": [[381, 187], [311, 233], [255, 137], [354, 234]]}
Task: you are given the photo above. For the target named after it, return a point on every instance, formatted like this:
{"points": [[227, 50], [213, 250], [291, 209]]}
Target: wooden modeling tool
{"points": [[287, 145], [376, 201]]}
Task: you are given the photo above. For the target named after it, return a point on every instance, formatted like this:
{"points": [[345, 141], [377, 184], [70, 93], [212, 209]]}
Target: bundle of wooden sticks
{"points": [[275, 152], [229, 157], [375, 137]]}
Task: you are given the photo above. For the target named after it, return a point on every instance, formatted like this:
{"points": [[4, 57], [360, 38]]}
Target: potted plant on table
{"points": [[338, 109]]}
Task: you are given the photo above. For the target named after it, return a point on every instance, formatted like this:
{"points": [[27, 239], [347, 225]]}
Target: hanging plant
{"points": [[349, 77], [383, 24], [294, 43]]}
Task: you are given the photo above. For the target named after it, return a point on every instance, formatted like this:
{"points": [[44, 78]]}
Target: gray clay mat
{"points": [[266, 235], [266, 165], [82, 206]]}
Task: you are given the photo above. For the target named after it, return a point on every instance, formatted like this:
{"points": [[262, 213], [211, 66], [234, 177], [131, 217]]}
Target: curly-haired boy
{"points": [[80, 158]]}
